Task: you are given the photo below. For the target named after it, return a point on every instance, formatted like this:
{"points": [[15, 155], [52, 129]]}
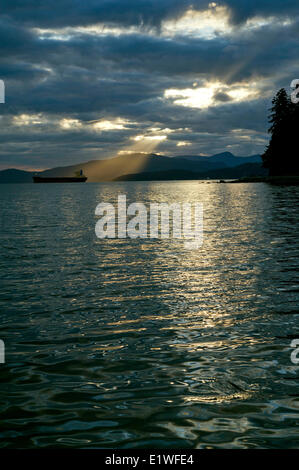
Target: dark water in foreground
{"points": [[141, 343]]}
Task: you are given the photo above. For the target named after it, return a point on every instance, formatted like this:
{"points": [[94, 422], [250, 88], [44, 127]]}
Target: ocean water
{"points": [[142, 343]]}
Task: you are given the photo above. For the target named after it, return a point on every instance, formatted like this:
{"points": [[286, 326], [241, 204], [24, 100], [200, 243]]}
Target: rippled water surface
{"points": [[142, 343]]}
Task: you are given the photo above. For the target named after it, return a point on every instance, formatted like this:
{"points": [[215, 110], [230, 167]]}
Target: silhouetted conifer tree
{"points": [[281, 155]]}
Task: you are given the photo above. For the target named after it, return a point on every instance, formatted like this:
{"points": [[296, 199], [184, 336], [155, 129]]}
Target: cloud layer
{"points": [[84, 79]]}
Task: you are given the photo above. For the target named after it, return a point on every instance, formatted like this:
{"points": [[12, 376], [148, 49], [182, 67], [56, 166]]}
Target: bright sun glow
{"points": [[67, 33], [205, 24], [142, 137], [205, 96], [28, 119], [101, 125], [105, 125], [183, 144], [70, 124], [148, 142], [193, 98]]}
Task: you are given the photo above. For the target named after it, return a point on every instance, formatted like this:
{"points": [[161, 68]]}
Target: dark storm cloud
{"points": [[77, 12], [222, 97], [12, 35], [231, 59], [242, 10]]}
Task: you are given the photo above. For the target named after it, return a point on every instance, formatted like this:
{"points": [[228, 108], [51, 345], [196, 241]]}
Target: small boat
{"points": [[79, 178]]}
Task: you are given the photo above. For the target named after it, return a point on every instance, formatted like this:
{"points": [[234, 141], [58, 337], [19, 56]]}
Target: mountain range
{"points": [[150, 166]]}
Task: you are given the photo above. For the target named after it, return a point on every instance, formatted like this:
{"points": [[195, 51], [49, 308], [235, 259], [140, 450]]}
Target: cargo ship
{"points": [[79, 178]]}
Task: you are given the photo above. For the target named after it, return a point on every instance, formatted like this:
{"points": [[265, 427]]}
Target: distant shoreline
{"points": [[280, 180]]}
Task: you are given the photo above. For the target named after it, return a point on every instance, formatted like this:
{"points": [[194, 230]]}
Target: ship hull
{"points": [[44, 179]]}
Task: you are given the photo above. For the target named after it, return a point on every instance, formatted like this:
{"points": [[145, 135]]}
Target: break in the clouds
{"points": [[93, 79]]}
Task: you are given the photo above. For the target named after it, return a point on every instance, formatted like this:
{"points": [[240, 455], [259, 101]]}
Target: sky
{"points": [[93, 79]]}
